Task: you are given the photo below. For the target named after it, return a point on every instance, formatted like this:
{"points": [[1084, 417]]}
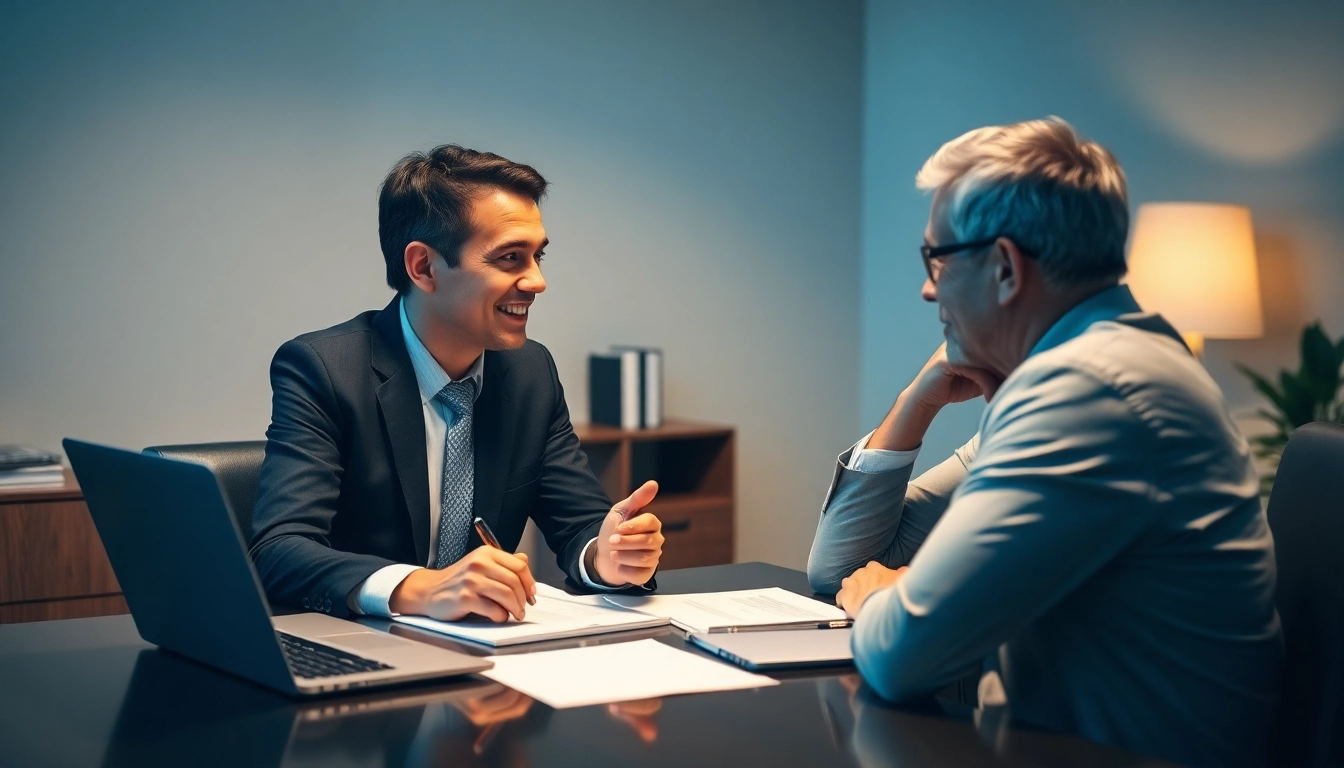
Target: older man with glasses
{"points": [[1098, 548]]}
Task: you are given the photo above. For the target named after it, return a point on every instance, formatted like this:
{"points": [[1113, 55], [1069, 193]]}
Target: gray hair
{"points": [[1041, 185]]}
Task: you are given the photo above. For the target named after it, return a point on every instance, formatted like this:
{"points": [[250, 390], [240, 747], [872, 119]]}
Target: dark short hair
{"points": [[426, 197]]}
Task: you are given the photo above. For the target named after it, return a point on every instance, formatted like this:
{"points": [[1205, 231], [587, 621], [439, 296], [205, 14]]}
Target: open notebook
{"points": [[556, 615], [742, 610]]}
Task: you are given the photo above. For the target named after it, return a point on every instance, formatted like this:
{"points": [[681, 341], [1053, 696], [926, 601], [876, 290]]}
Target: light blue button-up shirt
{"points": [[374, 593], [1099, 546]]}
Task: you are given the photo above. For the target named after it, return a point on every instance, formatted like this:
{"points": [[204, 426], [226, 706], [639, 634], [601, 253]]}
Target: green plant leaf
{"points": [[1264, 387], [1320, 364], [1299, 402]]}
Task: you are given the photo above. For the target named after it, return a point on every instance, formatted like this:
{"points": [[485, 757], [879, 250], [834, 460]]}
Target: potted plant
{"points": [[1311, 394]]}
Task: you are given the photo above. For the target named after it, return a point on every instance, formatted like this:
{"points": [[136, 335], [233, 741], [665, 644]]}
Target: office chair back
{"points": [[236, 465], [1306, 515]]}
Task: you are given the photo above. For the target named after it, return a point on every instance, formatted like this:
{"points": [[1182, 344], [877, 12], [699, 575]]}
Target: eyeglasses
{"points": [[932, 252]]}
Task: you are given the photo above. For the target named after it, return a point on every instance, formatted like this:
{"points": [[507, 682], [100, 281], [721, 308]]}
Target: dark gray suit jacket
{"points": [[344, 488]]}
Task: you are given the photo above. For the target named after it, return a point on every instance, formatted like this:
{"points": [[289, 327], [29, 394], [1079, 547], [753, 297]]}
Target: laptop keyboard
{"points": [[308, 659]]}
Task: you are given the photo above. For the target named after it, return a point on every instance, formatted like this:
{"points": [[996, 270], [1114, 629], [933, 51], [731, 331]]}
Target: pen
{"points": [[836, 624], [488, 536]]}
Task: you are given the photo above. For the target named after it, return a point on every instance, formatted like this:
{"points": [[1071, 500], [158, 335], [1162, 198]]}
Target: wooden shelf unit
{"points": [[52, 563], [693, 464]]}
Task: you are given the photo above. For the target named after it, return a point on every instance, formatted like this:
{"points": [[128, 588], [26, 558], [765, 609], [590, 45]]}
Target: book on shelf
{"points": [[24, 466], [625, 387]]}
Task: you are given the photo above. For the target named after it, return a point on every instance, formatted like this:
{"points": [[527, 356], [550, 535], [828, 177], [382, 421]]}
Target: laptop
{"points": [[186, 576], [779, 649]]}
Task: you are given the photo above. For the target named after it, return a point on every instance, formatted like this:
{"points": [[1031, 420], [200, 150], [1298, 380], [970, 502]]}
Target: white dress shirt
{"points": [[374, 593], [875, 460]]}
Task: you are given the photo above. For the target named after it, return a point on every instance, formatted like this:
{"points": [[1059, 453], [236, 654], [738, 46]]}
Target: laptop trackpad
{"points": [[365, 641]]}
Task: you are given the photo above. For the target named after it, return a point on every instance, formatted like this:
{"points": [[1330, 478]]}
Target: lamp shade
{"points": [[1194, 263]]}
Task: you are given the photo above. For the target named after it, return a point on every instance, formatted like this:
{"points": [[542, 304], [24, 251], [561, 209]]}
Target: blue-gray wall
{"points": [[184, 186], [1236, 101]]}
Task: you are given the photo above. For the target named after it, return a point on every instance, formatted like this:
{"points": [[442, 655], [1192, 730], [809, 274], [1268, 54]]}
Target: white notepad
{"points": [[598, 674], [556, 615], [737, 611]]}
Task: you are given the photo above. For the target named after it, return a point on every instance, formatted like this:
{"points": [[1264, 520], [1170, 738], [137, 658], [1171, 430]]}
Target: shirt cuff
{"points": [[372, 596], [874, 461], [583, 570]]}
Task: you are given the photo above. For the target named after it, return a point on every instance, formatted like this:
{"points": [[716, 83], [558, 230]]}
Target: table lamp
{"points": [[1194, 263]]}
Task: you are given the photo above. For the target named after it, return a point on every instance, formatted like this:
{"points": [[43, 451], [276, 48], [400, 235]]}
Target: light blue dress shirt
{"points": [[374, 593], [1099, 546]]}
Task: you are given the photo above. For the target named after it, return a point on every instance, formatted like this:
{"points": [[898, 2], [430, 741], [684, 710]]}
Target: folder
{"points": [[625, 387]]}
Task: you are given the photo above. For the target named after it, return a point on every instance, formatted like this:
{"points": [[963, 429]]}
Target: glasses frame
{"points": [[931, 252]]}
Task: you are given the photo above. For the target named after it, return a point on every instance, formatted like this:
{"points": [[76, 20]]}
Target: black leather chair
{"points": [[1306, 515], [236, 465]]}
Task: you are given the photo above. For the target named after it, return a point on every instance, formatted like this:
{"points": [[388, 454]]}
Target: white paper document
{"points": [[740, 610], [556, 615], [599, 674]]}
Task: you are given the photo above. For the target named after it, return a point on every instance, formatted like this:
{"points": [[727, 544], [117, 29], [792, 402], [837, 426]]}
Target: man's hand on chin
{"points": [[630, 543], [864, 582]]}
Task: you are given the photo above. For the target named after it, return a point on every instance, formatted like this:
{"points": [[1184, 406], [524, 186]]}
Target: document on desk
{"points": [[741, 610], [556, 615], [600, 674]]}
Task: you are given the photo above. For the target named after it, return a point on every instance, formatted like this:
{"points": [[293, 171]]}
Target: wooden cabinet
{"points": [[52, 564], [693, 464]]}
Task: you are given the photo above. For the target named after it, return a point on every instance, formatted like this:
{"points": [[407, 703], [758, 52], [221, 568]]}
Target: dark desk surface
{"points": [[91, 692]]}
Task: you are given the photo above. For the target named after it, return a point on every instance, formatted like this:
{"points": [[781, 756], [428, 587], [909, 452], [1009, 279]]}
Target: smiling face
{"points": [[483, 303]]}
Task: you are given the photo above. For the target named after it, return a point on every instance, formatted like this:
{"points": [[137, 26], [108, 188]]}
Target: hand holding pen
{"points": [[488, 536], [488, 582]]}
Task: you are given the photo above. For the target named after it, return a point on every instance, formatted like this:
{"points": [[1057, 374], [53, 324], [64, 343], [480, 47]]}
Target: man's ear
{"points": [[418, 260], [1010, 265]]}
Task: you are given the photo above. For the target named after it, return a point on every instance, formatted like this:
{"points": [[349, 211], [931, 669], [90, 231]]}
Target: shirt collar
{"points": [[429, 375], [1115, 304]]}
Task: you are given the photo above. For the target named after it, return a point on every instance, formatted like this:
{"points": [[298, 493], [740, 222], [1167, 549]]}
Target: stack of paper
{"points": [[644, 669], [556, 615], [740, 610], [23, 466]]}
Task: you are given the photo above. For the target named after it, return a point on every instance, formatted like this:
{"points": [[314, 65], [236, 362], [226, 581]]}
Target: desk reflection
{"points": [[940, 733], [176, 712], [639, 715]]}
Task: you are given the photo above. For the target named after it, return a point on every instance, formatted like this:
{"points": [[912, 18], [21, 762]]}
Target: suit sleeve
{"points": [[1060, 485], [571, 503], [299, 486], [882, 516]]}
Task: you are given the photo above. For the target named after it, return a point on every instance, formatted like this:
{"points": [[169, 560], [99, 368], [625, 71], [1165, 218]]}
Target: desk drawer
{"points": [[51, 551], [698, 531]]}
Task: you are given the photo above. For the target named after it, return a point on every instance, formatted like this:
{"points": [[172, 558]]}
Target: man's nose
{"points": [[930, 291], [532, 281]]}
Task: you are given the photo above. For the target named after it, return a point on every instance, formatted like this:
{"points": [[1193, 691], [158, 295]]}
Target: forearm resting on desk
{"points": [[880, 516]]}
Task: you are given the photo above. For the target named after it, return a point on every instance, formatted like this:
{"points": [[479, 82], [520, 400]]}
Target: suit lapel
{"points": [[403, 416], [492, 428]]}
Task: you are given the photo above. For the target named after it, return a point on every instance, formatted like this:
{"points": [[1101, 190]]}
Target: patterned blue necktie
{"points": [[459, 474]]}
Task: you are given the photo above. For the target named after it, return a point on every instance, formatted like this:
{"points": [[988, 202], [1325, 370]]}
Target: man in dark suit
{"points": [[392, 431]]}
